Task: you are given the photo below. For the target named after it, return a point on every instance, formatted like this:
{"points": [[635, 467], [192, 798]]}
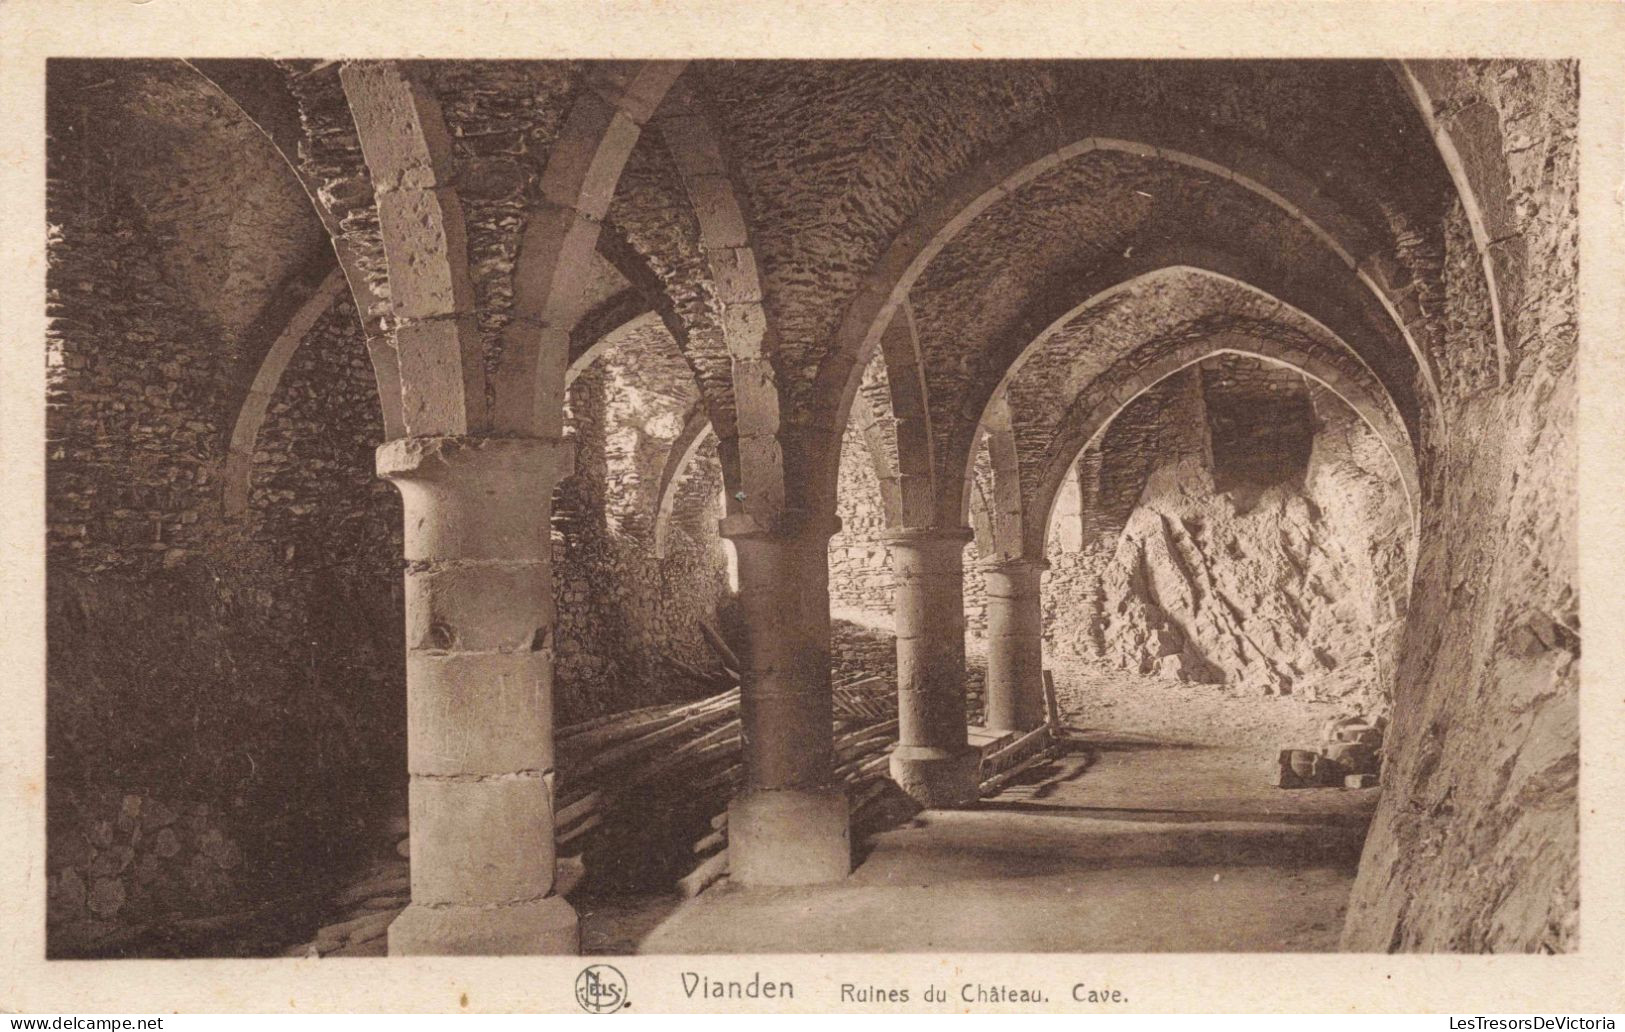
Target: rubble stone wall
{"points": [[620, 609], [859, 564], [1162, 426], [244, 675]]}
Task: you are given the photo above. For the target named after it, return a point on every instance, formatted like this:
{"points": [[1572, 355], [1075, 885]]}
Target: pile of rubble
{"points": [[1350, 756]]}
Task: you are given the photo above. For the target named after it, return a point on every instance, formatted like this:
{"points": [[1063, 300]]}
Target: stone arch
{"points": [[696, 430], [1303, 300], [875, 444], [605, 326], [911, 420], [1006, 514], [890, 416], [282, 129], [1131, 375], [751, 444], [556, 247], [934, 227], [251, 414], [437, 341], [1470, 146], [597, 331], [1054, 316], [596, 336]]}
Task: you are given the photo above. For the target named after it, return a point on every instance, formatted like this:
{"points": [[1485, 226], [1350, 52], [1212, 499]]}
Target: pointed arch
{"points": [[251, 413], [1131, 375], [556, 248], [1061, 309], [431, 293], [753, 443], [696, 431], [1006, 516], [233, 82], [885, 290], [1470, 146]]}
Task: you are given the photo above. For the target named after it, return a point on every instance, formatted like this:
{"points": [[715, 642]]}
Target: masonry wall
{"points": [[859, 565], [1165, 424], [621, 611], [1474, 845], [226, 695], [223, 696], [1260, 421]]}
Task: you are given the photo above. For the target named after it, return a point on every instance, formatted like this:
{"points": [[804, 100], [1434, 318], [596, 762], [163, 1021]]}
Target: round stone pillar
{"points": [[479, 688], [1015, 644], [932, 762], [789, 824]]}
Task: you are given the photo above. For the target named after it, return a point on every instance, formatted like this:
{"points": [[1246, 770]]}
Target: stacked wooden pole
{"points": [[1036, 747], [620, 770], [610, 766], [621, 773]]}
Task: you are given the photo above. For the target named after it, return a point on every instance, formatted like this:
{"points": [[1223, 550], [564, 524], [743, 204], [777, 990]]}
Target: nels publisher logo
{"points": [[600, 989]]}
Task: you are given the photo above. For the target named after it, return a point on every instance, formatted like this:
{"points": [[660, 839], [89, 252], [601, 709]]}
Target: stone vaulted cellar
{"points": [[530, 507]]}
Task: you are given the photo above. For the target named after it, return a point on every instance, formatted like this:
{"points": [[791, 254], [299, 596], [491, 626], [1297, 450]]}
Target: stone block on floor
{"points": [[1354, 758]]}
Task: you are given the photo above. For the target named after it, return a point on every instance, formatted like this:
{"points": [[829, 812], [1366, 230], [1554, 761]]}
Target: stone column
{"points": [[932, 761], [789, 823], [1015, 644], [479, 688]]}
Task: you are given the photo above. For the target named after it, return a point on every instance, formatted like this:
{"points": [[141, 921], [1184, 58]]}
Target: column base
{"points": [[789, 837], [936, 777], [542, 926]]}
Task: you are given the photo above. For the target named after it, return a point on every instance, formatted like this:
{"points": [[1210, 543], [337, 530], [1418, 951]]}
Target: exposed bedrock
{"points": [[1292, 580], [1475, 845]]}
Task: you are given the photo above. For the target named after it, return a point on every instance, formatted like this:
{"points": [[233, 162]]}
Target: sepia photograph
{"points": [[613, 506]]}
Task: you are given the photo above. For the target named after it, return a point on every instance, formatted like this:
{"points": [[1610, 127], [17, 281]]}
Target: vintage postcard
{"points": [[818, 507]]}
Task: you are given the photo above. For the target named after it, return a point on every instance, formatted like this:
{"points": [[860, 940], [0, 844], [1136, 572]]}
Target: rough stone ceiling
{"points": [[1158, 312], [833, 159], [651, 208], [1344, 122], [1049, 247], [503, 118], [228, 220]]}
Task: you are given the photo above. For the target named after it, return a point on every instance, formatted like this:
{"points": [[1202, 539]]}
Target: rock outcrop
{"points": [[1286, 588]]}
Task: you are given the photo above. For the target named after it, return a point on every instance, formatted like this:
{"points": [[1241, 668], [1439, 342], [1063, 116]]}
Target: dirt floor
{"points": [[1116, 702], [1157, 832]]}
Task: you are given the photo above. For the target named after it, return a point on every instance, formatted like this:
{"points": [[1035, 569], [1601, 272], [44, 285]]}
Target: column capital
{"points": [[928, 536], [1013, 565], [427, 458], [786, 523], [475, 497]]}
